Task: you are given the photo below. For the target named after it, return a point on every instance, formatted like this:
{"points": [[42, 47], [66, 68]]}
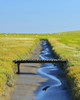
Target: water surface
{"points": [[55, 88]]}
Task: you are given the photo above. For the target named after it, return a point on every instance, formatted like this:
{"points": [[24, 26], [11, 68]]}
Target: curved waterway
{"points": [[55, 88]]}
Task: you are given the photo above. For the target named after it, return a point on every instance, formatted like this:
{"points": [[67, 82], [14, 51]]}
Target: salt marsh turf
{"points": [[66, 46]]}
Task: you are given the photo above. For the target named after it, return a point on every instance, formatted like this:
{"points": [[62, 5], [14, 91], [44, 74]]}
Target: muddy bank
{"points": [[63, 66], [28, 80], [28, 72]]}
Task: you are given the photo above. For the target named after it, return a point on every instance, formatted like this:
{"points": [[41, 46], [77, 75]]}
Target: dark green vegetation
{"points": [[19, 46]]}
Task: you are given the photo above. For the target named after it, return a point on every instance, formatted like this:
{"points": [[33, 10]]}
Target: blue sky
{"points": [[39, 16]]}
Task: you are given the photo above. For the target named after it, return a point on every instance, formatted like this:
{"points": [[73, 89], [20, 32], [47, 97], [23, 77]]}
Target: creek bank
{"points": [[63, 67], [28, 80], [56, 56], [34, 55]]}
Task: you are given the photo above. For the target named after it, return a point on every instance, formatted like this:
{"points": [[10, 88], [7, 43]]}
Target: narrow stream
{"points": [[55, 88], [41, 83]]}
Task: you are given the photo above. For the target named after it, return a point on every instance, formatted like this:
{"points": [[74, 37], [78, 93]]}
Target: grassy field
{"points": [[67, 46], [18, 46], [12, 47]]}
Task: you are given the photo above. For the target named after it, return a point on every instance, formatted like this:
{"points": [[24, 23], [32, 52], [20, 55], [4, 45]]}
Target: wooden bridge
{"points": [[38, 61]]}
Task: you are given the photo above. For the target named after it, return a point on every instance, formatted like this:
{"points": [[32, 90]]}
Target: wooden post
{"points": [[18, 65]]}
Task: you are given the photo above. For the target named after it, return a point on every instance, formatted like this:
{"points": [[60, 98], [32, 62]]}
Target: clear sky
{"points": [[39, 16]]}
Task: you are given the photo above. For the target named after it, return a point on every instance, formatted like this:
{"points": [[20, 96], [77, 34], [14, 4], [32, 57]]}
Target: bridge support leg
{"points": [[18, 65]]}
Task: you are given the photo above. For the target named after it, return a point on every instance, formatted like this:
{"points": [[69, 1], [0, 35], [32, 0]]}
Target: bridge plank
{"points": [[40, 61]]}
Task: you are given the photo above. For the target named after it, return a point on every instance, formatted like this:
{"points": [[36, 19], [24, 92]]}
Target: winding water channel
{"points": [[55, 88], [41, 83]]}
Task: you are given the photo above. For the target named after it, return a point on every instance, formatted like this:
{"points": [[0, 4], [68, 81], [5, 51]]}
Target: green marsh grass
{"points": [[67, 46], [12, 47], [18, 46]]}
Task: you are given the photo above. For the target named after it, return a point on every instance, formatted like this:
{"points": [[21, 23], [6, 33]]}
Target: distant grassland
{"points": [[67, 46], [13, 47]]}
